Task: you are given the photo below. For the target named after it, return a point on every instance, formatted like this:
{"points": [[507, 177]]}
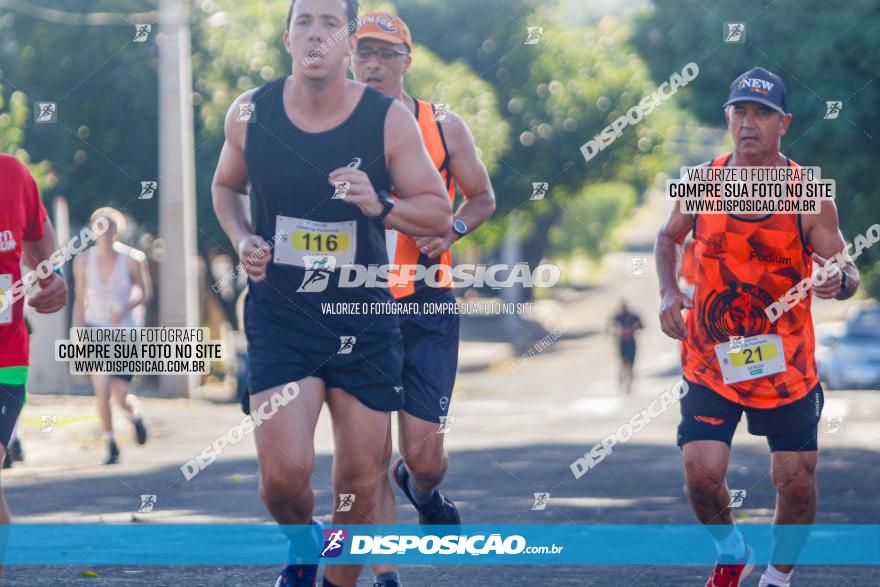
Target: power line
{"points": [[80, 18]]}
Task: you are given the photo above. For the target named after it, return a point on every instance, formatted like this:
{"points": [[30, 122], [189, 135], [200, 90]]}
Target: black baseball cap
{"points": [[758, 85]]}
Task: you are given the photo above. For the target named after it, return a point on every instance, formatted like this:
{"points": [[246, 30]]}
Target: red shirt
{"points": [[21, 219]]}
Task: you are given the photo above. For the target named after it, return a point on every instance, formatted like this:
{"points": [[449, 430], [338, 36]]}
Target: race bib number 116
{"points": [[304, 237]]}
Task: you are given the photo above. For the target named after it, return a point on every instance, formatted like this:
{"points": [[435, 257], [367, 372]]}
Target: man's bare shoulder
{"points": [[456, 132], [242, 99], [236, 132]]}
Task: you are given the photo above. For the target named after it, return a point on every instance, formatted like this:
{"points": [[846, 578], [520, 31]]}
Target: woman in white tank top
{"points": [[115, 300], [108, 301]]}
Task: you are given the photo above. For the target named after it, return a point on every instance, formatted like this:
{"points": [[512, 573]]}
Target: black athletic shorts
{"points": [[706, 415], [11, 402], [430, 354], [628, 350], [368, 367]]}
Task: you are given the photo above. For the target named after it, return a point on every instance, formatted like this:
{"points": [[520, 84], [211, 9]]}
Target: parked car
{"points": [[851, 359], [827, 335]]}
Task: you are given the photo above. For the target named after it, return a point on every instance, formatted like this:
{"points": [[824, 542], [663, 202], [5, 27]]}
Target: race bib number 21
{"points": [[751, 358]]}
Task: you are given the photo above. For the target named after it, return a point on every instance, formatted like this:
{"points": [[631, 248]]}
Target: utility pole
{"points": [[178, 288]]}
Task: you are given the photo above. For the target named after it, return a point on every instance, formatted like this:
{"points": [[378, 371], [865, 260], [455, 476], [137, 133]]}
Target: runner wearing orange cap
{"points": [[430, 340]]}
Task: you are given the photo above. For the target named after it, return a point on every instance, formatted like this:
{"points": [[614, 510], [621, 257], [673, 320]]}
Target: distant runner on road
{"points": [[624, 325]]}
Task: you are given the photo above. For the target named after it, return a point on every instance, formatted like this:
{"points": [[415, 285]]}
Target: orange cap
{"points": [[384, 27]]}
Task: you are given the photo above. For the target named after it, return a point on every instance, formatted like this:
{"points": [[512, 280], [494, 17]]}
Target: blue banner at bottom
{"points": [[478, 544]]}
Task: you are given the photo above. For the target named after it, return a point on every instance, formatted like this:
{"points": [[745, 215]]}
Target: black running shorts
{"points": [[11, 402], [706, 415]]}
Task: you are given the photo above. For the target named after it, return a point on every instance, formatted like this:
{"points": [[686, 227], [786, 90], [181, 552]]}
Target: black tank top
{"points": [[289, 170]]}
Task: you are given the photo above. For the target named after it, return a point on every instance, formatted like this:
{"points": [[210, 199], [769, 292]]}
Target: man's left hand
{"points": [[831, 286], [52, 295]]}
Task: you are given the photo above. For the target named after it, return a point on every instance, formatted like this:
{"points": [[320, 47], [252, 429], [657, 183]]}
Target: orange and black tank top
{"points": [[402, 248], [744, 264]]}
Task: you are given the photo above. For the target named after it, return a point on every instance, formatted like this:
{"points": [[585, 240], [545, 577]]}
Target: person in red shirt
{"points": [[26, 235]]}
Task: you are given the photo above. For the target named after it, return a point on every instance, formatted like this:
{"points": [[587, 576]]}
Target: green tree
{"points": [[105, 87], [14, 115], [555, 95], [455, 84], [590, 216], [838, 62], [233, 53]]}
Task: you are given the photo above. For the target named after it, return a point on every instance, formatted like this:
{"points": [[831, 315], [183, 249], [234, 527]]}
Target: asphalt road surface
{"points": [[518, 426]]}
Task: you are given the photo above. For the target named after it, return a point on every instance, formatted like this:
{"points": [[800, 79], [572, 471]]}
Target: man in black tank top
{"points": [[298, 142]]}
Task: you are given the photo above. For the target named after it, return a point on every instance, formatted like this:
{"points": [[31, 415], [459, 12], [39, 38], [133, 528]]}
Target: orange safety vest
{"points": [[402, 248], [742, 266]]}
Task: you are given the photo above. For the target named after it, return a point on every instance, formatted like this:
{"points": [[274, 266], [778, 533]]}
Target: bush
{"points": [[871, 281], [590, 218]]}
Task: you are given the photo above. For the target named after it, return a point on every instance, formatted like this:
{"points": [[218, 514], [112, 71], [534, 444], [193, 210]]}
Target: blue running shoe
{"points": [[440, 511], [297, 573]]}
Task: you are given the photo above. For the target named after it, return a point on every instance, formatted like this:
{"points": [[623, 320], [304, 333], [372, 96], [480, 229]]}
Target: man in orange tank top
{"points": [[735, 357], [430, 339]]}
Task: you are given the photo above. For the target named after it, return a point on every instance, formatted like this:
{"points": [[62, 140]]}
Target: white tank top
{"points": [[105, 298]]}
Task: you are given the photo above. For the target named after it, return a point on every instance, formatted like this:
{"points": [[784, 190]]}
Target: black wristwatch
{"points": [[459, 227], [387, 204]]}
